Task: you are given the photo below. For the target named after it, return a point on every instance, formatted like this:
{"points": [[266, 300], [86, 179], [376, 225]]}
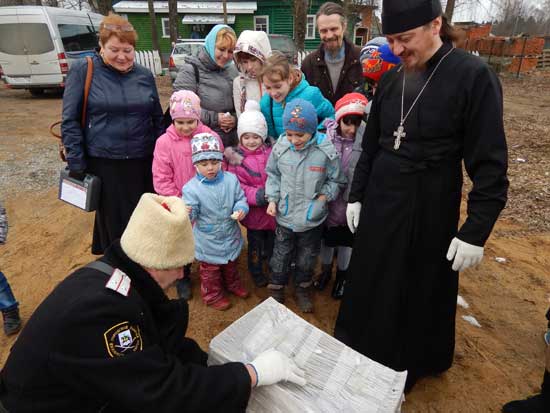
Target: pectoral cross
{"points": [[399, 133]]}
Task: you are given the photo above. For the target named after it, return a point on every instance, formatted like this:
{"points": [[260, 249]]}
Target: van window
{"points": [[25, 38], [189, 49], [77, 37]]}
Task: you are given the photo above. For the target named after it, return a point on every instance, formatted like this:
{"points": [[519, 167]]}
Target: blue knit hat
{"points": [[205, 147], [300, 116]]}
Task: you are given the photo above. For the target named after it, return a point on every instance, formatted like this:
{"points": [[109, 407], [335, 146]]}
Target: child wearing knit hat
{"points": [[303, 175], [350, 111], [216, 203], [248, 163], [172, 163], [376, 59]]}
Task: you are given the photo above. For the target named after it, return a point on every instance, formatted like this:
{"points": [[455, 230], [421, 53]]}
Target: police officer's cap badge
{"points": [[122, 339]]}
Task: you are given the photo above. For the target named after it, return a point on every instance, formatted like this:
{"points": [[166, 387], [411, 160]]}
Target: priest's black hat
{"points": [[398, 16]]}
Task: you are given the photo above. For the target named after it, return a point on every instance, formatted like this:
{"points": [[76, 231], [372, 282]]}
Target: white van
{"points": [[37, 44]]}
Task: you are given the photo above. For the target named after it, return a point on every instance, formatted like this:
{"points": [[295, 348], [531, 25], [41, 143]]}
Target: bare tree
{"points": [[449, 9], [517, 17], [173, 20], [101, 6], [153, 18], [300, 17]]}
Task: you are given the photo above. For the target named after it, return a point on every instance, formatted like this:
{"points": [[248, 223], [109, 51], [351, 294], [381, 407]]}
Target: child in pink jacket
{"points": [[248, 162], [172, 163]]}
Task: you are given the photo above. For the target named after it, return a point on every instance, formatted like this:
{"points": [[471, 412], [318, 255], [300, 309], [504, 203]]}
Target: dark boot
{"points": [[255, 265], [324, 277], [539, 403], [183, 286], [339, 284], [260, 280], [277, 292], [12, 321], [303, 297]]}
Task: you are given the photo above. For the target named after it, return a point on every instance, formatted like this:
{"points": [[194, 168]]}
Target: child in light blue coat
{"points": [[216, 203], [303, 175]]}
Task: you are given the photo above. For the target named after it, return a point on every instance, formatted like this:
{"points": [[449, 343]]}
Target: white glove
{"points": [[465, 255], [352, 215], [272, 366]]}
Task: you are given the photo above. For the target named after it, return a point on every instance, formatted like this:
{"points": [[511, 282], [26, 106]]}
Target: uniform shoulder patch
{"points": [[123, 338], [119, 282]]}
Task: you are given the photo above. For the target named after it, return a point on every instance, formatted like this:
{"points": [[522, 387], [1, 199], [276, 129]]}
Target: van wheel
{"points": [[36, 92]]}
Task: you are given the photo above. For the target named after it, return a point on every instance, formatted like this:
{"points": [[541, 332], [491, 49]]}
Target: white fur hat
{"points": [[252, 120], [159, 234]]}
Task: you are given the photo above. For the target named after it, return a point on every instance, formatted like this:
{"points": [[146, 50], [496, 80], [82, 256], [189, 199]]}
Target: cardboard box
{"points": [[339, 379]]}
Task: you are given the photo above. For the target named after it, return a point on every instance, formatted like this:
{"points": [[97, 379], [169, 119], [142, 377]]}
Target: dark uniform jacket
{"points": [[317, 74], [88, 348]]}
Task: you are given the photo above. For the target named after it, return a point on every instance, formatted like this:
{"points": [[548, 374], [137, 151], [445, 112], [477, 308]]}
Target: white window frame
{"points": [[165, 24], [266, 17], [312, 26]]}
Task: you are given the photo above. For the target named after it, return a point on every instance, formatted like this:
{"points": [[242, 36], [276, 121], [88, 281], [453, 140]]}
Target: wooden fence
{"points": [[151, 60], [544, 60]]}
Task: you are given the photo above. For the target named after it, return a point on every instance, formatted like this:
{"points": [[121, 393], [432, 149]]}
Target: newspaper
{"points": [[339, 379]]}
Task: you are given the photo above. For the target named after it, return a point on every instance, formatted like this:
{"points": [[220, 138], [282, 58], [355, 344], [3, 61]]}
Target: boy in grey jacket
{"points": [[303, 175]]}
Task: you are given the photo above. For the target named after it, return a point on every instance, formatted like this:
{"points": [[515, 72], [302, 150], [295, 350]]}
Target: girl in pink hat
{"points": [[172, 163]]}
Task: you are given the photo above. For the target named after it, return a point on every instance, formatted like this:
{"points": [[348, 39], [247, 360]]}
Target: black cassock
{"points": [[399, 303]]}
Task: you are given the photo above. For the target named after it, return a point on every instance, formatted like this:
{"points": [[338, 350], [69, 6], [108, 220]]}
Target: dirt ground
{"points": [[499, 361]]}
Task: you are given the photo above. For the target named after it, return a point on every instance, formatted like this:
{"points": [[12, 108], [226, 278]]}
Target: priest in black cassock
{"points": [[440, 107]]}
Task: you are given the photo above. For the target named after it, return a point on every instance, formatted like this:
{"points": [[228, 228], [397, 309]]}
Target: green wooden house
{"points": [[196, 18]]}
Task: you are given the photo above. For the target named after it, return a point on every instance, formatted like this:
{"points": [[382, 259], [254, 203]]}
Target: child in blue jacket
{"points": [[303, 175], [216, 203], [282, 84]]}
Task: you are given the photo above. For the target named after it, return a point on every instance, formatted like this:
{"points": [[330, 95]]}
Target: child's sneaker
{"points": [[221, 305], [239, 291], [12, 321], [303, 299], [277, 292]]}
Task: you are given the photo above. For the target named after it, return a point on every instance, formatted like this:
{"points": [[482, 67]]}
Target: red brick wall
{"points": [[499, 46], [478, 32]]}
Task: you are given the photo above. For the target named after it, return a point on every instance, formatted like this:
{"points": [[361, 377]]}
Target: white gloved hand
{"points": [[465, 255], [352, 215], [272, 366]]}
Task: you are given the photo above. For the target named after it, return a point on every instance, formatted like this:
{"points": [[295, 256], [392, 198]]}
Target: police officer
{"points": [[108, 337]]}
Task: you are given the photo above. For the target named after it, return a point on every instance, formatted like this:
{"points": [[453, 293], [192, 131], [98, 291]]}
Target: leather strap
{"points": [[101, 266], [87, 85]]}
